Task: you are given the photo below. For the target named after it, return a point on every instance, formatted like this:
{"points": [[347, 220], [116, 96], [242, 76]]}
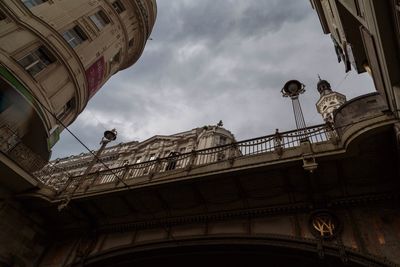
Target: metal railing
{"points": [[275, 143], [12, 146]]}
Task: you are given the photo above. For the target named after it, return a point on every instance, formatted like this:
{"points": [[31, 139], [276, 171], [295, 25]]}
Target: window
{"points": [[36, 61], [182, 150], [330, 7], [70, 105], [99, 19], [32, 3], [397, 18], [359, 8], [74, 36], [2, 16], [338, 35], [152, 157], [115, 59], [222, 140], [117, 5], [172, 160], [138, 159], [131, 42], [5, 98]]}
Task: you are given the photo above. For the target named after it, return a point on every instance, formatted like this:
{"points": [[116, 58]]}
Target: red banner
{"points": [[94, 76]]}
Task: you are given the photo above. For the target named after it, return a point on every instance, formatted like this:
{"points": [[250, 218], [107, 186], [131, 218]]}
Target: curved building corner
{"points": [[55, 56]]}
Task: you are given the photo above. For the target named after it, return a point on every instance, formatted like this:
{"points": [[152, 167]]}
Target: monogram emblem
{"points": [[324, 225]]}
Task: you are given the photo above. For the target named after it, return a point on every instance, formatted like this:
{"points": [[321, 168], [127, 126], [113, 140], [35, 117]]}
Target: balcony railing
{"points": [[274, 143], [13, 147]]}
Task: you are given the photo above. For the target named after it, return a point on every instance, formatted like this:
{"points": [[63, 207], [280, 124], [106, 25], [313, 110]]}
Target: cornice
{"points": [[295, 208]]}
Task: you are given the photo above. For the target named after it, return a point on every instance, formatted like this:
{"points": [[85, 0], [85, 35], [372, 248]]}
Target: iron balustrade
{"points": [[275, 143], [12, 146]]}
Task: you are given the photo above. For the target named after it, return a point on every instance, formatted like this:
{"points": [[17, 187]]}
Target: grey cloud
{"points": [[215, 20], [212, 60]]}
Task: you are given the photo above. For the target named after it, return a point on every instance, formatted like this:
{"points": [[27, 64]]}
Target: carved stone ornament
{"points": [[324, 225]]}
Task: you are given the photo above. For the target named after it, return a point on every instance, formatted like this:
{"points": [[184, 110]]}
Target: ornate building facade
{"points": [[55, 55], [366, 36], [145, 152]]}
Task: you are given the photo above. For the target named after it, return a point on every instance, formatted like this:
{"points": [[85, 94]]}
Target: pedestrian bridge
{"points": [[326, 195], [303, 145], [266, 150]]}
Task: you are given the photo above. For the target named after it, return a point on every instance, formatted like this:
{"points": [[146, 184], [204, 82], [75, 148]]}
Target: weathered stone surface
{"points": [[22, 237]]}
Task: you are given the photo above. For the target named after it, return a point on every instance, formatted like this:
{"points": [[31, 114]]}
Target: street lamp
{"points": [[294, 89], [109, 135], [107, 138]]}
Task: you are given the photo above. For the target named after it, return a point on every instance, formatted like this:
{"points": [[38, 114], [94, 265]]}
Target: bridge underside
{"points": [[240, 218], [230, 253]]}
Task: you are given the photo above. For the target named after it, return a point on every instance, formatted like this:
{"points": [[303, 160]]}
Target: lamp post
{"points": [[107, 138], [294, 89]]}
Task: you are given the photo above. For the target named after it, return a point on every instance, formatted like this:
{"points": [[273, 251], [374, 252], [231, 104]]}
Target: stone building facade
{"points": [[55, 55], [366, 36], [123, 154]]}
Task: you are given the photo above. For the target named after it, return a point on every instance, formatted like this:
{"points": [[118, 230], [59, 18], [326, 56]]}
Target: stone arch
{"points": [[233, 251]]}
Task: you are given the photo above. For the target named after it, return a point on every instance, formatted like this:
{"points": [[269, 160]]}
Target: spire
{"points": [[323, 86], [329, 100]]}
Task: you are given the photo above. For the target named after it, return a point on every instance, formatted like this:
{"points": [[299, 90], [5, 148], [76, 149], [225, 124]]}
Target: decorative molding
{"points": [[205, 218], [324, 225]]}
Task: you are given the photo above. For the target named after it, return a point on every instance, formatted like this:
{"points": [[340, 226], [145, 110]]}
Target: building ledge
{"points": [[14, 177]]}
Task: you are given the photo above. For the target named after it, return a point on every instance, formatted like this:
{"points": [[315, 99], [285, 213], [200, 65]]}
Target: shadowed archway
{"points": [[229, 251]]}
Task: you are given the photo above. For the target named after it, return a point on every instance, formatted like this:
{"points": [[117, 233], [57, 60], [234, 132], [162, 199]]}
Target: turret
{"points": [[329, 100], [324, 87]]}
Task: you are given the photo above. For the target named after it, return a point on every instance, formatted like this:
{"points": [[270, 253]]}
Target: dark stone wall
{"points": [[379, 230], [368, 236], [22, 237]]}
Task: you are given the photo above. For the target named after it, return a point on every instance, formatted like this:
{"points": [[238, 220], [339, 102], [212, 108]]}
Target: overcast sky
{"points": [[213, 60]]}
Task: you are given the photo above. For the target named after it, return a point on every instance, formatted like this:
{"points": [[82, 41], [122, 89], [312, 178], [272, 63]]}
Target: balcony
{"points": [[261, 151], [14, 148], [305, 147], [17, 161]]}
